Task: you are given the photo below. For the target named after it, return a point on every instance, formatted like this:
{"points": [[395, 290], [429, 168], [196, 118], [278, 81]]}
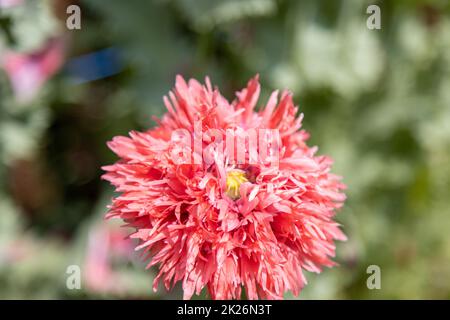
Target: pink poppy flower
{"points": [[29, 71], [106, 243], [213, 213]]}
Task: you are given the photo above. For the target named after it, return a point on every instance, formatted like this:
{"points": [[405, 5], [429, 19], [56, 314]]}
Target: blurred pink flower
{"points": [[29, 71], [10, 3], [227, 224], [15, 251], [105, 243]]}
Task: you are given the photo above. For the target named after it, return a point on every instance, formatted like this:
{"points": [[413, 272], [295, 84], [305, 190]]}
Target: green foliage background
{"points": [[377, 101]]}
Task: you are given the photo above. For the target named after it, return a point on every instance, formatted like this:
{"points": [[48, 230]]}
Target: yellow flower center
{"points": [[234, 180]]}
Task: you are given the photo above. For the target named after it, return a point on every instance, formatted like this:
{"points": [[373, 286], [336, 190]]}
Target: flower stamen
{"points": [[234, 180]]}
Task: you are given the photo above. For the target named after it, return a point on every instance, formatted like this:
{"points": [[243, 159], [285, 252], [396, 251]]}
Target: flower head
{"points": [[226, 197], [28, 72], [106, 246]]}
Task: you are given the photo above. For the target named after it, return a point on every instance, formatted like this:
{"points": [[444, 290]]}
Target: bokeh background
{"points": [[377, 101]]}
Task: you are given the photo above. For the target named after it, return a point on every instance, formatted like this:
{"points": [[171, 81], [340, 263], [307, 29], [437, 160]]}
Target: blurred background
{"points": [[377, 101]]}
